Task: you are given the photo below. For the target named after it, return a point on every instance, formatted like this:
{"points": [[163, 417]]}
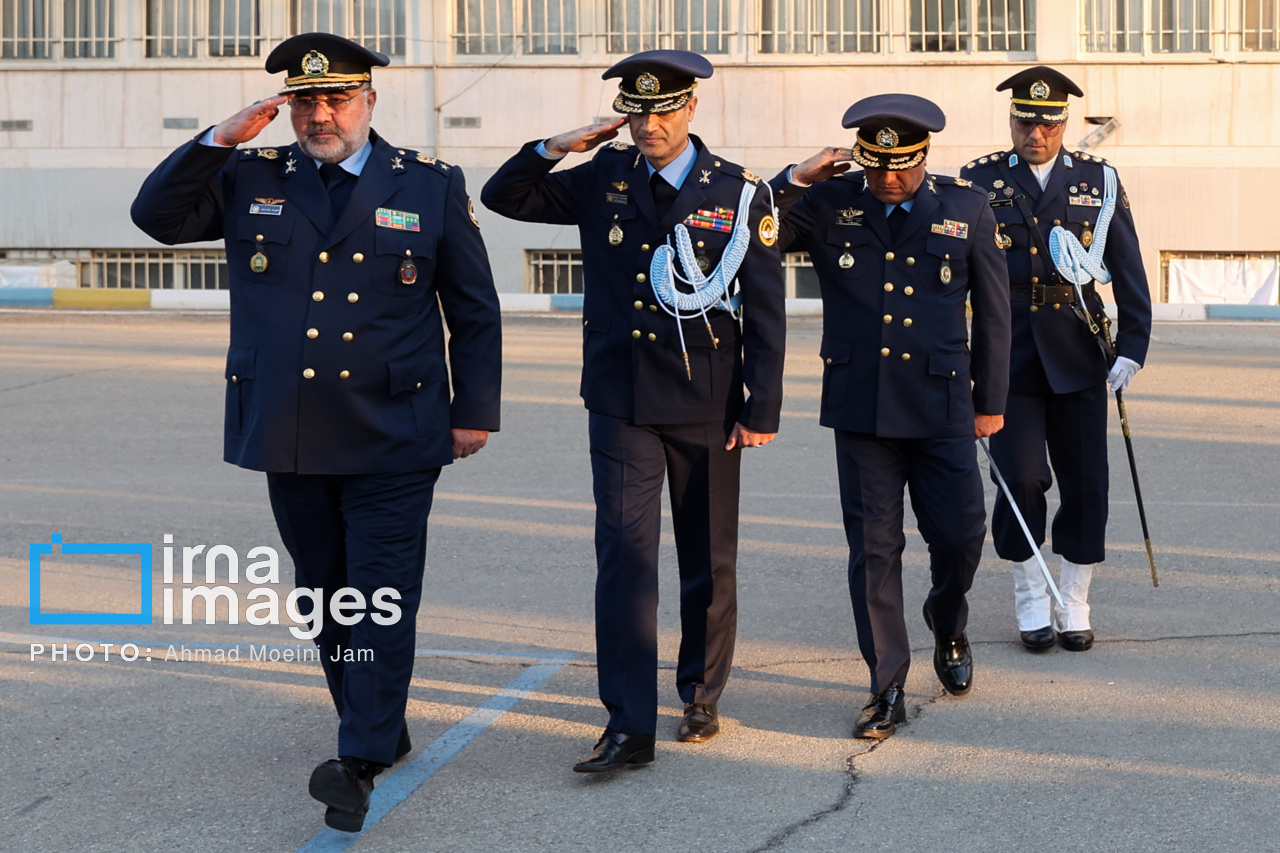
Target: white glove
{"points": [[1122, 373]]}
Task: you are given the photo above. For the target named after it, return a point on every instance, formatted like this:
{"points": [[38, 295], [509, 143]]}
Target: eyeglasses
{"points": [[1046, 128], [306, 105]]}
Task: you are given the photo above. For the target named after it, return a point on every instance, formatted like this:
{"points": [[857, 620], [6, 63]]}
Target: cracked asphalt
{"points": [[1164, 737]]}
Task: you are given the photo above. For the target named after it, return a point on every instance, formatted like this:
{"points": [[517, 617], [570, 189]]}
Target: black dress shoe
{"points": [[616, 750], [1038, 640], [700, 723], [1076, 641], [404, 746], [952, 660], [344, 785], [881, 715]]}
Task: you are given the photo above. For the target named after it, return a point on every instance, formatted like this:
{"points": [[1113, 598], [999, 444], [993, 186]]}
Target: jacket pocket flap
{"points": [[853, 235], [836, 352], [240, 361], [264, 229], [414, 373], [404, 244], [943, 245], [949, 364]]}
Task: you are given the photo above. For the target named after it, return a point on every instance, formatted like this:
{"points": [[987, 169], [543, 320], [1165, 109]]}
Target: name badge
{"points": [[398, 219], [951, 228], [266, 209], [617, 198]]}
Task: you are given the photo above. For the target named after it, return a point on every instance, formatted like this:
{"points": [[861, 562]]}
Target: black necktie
{"points": [[663, 194], [897, 219], [339, 182]]}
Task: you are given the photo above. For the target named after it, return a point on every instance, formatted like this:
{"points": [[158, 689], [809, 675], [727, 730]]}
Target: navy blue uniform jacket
{"points": [[1054, 345], [895, 346], [330, 302], [632, 367]]}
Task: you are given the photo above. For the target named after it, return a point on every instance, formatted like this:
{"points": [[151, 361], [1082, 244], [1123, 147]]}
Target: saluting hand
{"points": [[250, 121], [822, 166], [584, 138]]}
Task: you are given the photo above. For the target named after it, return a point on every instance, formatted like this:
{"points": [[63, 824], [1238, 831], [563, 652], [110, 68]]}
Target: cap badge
{"points": [[315, 64], [647, 84], [886, 138], [1039, 90]]}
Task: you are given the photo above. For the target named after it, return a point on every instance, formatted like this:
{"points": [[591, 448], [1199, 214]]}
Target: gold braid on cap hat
{"points": [[329, 79], [876, 149], [1017, 113]]}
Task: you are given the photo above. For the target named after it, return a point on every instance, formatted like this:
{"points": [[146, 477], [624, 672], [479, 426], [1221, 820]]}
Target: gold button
{"points": [[884, 351], [353, 297], [358, 258], [1056, 306], [717, 164], [1034, 250], [716, 341], [346, 374], [847, 245], [701, 244], [888, 256], [644, 247], [318, 296], [308, 373], [585, 322], [1035, 279], [653, 307], [911, 262], [1057, 222], [311, 333], [635, 333], [888, 318], [888, 287], [1035, 308], [235, 378], [408, 252], [1036, 220], [399, 152], [639, 304], [953, 373], [828, 362], [907, 321], [324, 257], [640, 277], [908, 290], [652, 336], [1086, 223], [346, 336], [418, 386], [906, 356], [259, 238]]}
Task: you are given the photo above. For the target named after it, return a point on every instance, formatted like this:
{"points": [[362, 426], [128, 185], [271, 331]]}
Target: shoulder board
{"points": [[617, 145], [425, 159], [262, 153], [1086, 157], [986, 159], [949, 181]]}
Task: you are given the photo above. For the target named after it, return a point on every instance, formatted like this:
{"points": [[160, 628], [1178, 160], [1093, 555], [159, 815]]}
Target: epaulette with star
{"points": [[1086, 157], [403, 156], [262, 153], [985, 159], [949, 181]]}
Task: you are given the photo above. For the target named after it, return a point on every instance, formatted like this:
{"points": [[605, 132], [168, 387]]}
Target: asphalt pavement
{"points": [[1164, 737]]}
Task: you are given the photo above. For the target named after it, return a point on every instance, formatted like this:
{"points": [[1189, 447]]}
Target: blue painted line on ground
{"points": [[400, 785]]}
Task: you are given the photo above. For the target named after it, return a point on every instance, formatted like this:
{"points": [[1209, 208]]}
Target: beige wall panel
{"points": [[26, 95], [91, 115]]}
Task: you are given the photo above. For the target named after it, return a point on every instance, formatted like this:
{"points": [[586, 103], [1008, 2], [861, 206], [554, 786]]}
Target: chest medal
{"points": [[408, 271], [846, 261], [258, 263], [944, 274], [615, 235]]}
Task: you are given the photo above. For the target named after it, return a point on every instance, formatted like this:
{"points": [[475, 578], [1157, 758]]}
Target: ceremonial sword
{"points": [[1026, 531]]}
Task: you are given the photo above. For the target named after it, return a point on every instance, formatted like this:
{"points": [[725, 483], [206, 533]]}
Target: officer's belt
{"points": [[1039, 294]]}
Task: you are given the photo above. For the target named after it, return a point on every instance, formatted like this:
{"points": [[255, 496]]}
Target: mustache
{"points": [[313, 129]]}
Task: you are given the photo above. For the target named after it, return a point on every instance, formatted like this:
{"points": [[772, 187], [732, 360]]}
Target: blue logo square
{"points": [[142, 617]]}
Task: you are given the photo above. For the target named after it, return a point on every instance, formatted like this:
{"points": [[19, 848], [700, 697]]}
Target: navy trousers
{"points": [[365, 532], [942, 477], [627, 466], [1074, 429]]}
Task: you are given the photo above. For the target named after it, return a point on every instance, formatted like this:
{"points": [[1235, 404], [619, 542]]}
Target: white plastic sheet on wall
{"points": [[53, 274], [1223, 281]]}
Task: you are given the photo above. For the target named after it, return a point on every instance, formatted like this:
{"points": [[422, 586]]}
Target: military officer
{"points": [[343, 251], [905, 386], [683, 306], [1057, 393]]}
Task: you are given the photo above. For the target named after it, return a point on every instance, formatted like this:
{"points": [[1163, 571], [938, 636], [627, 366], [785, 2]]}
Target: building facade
{"points": [[1182, 95]]}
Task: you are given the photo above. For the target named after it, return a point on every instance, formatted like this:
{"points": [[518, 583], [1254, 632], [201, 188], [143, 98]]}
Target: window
{"points": [[1260, 24], [179, 28], [490, 26], [1220, 278], [29, 28], [377, 24], [196, 269], [972, 25], [1112, 26], [819, 26], [1180, 26], [552, 271], [702, 26], [800, 277]]}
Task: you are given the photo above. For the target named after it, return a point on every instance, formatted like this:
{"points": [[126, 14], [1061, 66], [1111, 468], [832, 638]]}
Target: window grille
{"points": [[702, 26], [88, 29], [1112, 26], [819, 26], [182, 28], [1260, 24], [1180, 26], [377, 24], [972, 25], [554, 271], [30, 29], [800, 277], [194, 269]]}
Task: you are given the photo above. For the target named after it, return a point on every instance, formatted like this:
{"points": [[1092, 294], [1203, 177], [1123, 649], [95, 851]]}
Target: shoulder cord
{"points": [[1077, 265]]}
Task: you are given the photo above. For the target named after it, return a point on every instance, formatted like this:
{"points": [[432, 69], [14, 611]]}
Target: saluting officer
{"points": [[668, 344], [1057, 391], [897, 251], [343, 250]]}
